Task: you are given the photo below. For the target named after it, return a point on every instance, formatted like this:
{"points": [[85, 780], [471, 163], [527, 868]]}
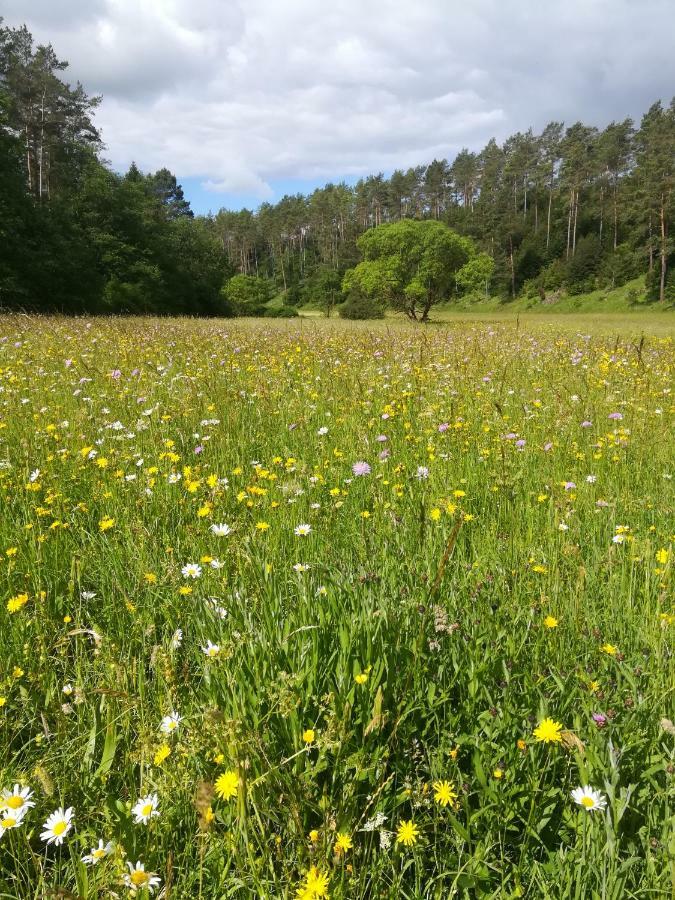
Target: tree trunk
{"points": [[616, 214], [548, 217], [569, 224], [513, 271], [574, 233], [602, 205], [651, 248], [664, 255]]}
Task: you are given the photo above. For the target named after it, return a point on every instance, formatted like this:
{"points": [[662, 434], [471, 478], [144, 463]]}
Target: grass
{"points": [[501, 563], [601, 307]]}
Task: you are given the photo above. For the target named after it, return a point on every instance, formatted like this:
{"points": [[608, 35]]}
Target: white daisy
{"points": [[138, 878], [170, 723], [221, 529], [145, 809], [58, 825], [589, 798], [191, 570], [18, 800], [210, 649], [10, 820], [302, 530], [98, 853], [177, 639]]}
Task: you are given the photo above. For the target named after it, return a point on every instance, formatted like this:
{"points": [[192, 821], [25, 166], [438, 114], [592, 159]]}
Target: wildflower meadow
{"points": [[313, 609]]}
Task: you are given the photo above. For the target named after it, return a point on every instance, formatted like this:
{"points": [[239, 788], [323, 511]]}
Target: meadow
{"points": [[313, 609]]}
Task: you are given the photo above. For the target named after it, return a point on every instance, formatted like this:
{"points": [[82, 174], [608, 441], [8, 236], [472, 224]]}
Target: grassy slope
{"points": [[600, 304]]}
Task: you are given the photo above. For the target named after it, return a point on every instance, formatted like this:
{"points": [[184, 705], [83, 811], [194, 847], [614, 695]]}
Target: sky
{"points": [[246, 100]]}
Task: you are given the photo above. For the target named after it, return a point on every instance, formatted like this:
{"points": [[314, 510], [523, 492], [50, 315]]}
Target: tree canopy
{"points": [[571, 208], [410, 265]]}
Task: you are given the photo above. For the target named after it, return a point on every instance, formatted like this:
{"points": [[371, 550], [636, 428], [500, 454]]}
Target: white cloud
{"points": [[241, 93]]}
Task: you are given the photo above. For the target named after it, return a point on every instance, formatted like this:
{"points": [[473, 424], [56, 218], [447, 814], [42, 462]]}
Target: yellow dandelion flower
{"points": [[548, 731], [343, 842], [407, 833], [162, 754], [14, 604], [227, 785], [444, 792]]}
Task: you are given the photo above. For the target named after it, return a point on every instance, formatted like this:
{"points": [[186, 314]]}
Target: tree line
{"points": [[571, 208]]}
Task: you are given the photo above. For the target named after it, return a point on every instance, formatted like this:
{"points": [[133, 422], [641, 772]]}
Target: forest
{"points": [[569, 209]]}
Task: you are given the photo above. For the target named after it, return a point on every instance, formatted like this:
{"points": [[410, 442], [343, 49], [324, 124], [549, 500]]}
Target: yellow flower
{"points": [[308, 735], [262, 526], [498, 774], [106, 523], [315, 886], [550, 622], [609, 649], [150, 577], [548, 731], [361, 678], [314, 836], [11, 551], [227, 785], [343, 842], [407, 833], [3, 700], [184, 590], [14, 604], [444, 792], [163, 753], [662, 556], [435, 514]]}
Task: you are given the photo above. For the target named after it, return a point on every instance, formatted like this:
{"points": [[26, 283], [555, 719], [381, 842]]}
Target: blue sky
{"points": [[202, 201]]}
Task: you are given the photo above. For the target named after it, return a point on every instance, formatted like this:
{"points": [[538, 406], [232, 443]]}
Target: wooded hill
{"points": [[574, 207]]}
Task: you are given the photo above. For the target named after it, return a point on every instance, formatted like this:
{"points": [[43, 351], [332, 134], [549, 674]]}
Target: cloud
{"points": [[243, 93]]}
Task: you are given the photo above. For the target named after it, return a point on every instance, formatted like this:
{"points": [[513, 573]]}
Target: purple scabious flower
{"points": [[586, 424], [617, 416], [443, 427], [361, 468]]}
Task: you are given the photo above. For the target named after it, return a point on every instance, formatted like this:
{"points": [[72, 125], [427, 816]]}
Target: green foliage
{"points": [[247, 294], [280, 312], [360, 306], [581, 268], [475, 275], [409, 265]]}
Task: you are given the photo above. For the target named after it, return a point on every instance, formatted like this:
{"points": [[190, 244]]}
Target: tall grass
{"points": [[508, 558]]}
